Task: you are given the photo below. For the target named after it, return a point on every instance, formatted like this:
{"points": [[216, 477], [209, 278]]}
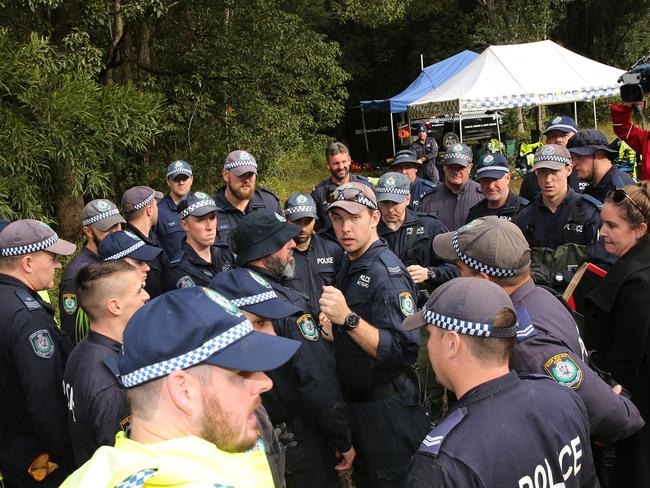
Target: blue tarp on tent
{"points": [[430, 78]]}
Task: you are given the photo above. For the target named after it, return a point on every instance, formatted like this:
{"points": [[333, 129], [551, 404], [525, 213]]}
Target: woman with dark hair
{"points": [[617, 319]]}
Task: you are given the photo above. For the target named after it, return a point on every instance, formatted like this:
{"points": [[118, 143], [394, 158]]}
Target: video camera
{"points": [[636, 82]]}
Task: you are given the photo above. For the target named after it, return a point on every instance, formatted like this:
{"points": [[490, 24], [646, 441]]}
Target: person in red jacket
{"points": [[638, 139]]}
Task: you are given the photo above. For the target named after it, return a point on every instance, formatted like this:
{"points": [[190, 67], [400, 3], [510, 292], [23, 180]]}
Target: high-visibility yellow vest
{"points": [[186, 461]]}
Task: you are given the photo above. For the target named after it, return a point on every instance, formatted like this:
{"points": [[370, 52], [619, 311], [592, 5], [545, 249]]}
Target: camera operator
{"points": [[638, 139]]}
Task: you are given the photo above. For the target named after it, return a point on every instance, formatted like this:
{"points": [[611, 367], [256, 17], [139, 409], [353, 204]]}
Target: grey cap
{"points": [[460, 154], [467, 306], [489, 245], [300, 205], [27, 236], [240, 162], [353, 198], [138, 197], [405, 156], [197, 204], [393, 187], [178, 167], [102, 214], [552, 156]]}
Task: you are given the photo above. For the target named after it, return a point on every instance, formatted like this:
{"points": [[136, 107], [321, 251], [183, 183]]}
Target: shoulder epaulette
{"points": [[28, 300], [392, 262], [433, 441], [177, 257], [594, 201], [525, 327]]}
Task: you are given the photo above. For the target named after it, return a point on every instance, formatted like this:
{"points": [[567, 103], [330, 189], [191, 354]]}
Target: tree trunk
{"points": [[144, 54], [68, 206], [118, 32]]}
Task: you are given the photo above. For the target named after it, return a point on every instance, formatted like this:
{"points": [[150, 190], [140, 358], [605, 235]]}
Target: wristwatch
{"points": [[431, 274], [351, 322]]}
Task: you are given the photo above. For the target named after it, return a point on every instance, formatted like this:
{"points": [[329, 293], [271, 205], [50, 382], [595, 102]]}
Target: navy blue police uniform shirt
{"points": [[576, 220], [156, 277], [321, 195], [509, 432], [315, 267], [412, 243], [187, 269], [419, 189], [514, 203], [549, 343], [73, 318], [452, 208], [614, 178], [228, 217], [306, 387], [378, 288], [168, 229], [97, 406], [33, 354]]}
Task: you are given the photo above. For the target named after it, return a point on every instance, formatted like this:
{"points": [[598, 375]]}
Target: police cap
{"points": [[300, 205], [177, 168], [102, 214], [197, 204], [125, 244], [393, 187], [492, 166], [240, 162], [460, 154], [28, 236], [138, 197]]}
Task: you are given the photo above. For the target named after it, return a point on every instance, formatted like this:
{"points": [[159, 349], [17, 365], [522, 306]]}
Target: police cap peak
{"points": [[492, 166], [197, 204], [393, 187], [178, 167], [29, 236], [460, 154]]}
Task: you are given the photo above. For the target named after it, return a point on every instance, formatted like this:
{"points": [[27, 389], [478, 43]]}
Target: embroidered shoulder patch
{"points": [[563, 369], [406, 303], [69, 303], [42, 343], [307, 327], [185, 282]]}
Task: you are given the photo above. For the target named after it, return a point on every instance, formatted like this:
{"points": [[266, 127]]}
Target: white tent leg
{"points": [[392, 131], [595, 119], [499, 134], [575, 112], [365, 135], [460, 126]]}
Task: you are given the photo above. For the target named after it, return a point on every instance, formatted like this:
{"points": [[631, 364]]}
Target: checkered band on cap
{"points": [[100, 216], [189, 359], [560, 126], [29, 248], [457, 325], [456, 155], [394, 191], [252, 300], [125, 252], [144, 202], [492, 168], [360, 198], [201, 203], [551, 157], [236, 164], [299, 208], [476, 265], [180, 169]]}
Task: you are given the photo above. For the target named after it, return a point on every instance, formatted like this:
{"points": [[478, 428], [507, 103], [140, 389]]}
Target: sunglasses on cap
{"points": [[352, 195], [619, 194]]}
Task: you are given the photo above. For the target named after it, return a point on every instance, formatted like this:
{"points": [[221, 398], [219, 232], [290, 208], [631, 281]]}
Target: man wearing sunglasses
{"points": [[592, 163], [373, 294]]}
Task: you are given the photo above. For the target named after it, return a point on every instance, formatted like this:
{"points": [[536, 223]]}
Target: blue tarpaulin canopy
{"points": [[429, 79]]}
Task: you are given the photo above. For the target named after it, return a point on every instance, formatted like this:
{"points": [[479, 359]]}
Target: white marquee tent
{"points": [[519, 75]]}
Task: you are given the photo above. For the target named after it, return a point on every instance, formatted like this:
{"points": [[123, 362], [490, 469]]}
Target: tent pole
{"points": [[460, 125], [392, 131], [575, 112], [595, 119], [499, 133], [421, 62], [365, 135]]}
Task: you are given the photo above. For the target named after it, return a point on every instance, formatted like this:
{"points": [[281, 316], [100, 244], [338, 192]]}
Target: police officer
{"points": [[125, 245], [317, 256], [306, 395], [338, 162], [406, 164], [426, 151], [591, 156], [140, 207], [558, 131], [168, 227], [240, 196], [34, 446], [500, 432], [110, 292], [452, 200], [373, 294], [99, 218], [493, 174], [202, 255], [548, 341], [560, 225]]}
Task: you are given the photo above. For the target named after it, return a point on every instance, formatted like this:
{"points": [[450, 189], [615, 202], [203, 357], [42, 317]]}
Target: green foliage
{"points": [[62, 133]]}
